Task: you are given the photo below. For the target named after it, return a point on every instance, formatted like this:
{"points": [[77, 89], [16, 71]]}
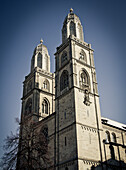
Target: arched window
{"points": [[64, 82], [107, 136], [45, 107], [39, 60], [72, 28], [46, 85], [83, 56], [114, 137], [63, 57], [29, 86], [84, 78], [44, 139], [28, 106]]}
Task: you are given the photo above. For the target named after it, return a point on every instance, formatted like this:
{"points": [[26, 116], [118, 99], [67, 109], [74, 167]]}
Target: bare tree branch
{"points": [[27, 149]]}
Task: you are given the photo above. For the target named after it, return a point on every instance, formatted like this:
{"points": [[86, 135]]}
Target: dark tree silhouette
{"points": [[27, 149]]}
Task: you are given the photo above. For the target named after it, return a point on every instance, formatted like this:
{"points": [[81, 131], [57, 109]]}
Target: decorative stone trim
{"points": [[88, 128], [88, 162]]}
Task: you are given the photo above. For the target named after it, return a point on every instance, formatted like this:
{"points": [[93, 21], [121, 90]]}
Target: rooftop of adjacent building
{"points": [[113, 123]]}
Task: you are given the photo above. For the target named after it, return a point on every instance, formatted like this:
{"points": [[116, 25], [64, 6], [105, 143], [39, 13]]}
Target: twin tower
{"points": [[66, 103]]}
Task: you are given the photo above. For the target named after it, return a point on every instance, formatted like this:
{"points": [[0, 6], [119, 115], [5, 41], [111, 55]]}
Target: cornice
{"points": [[31, 92]]}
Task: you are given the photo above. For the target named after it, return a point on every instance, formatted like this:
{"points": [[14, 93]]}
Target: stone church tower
{"points": [[77, 100], [66, 105], [38, 89]]}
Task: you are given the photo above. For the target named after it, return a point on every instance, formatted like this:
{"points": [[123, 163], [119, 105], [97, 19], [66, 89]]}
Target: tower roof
{"points": [[40, 57], [71, 16], [40, 48], [72, 26]]}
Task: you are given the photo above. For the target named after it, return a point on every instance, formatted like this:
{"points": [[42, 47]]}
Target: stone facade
{"points": [[67, 102]]}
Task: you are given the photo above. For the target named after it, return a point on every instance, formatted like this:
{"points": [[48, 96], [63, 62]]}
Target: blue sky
{"points": [[24, 23]]}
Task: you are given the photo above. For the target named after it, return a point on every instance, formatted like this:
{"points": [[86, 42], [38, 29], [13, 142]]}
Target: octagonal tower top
{"points": [[72, 26], [41, 57]]}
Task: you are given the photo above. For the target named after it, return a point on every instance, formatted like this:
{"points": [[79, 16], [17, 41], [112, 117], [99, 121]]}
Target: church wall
{"points": [[66, 110], [60, 55], [86, 165], [119, 151], [41, 81], [25, 102], [87, 142], [72, 165], [85, 114], [77, 50], [66, 138], [50, 123], [67, 144], [82, 65]]}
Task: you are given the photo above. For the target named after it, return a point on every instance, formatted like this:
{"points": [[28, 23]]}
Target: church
{"points": [[65, 104]]}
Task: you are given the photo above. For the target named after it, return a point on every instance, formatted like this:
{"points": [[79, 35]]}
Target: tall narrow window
{"points": [[65, 141], [29, 86], [72, 29], [44, 139], [64, 33], [114, 137], [45, 85], [32, 62], [28, 106], [83, 78], [39, 60], [63, 57], [83, 56], [45, 107], [108, 136], [65, 114], [112, 152], [64, 82]]}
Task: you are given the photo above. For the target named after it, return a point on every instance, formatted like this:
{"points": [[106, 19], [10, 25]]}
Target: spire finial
{"points": [[71, 10], [41, 41]]}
